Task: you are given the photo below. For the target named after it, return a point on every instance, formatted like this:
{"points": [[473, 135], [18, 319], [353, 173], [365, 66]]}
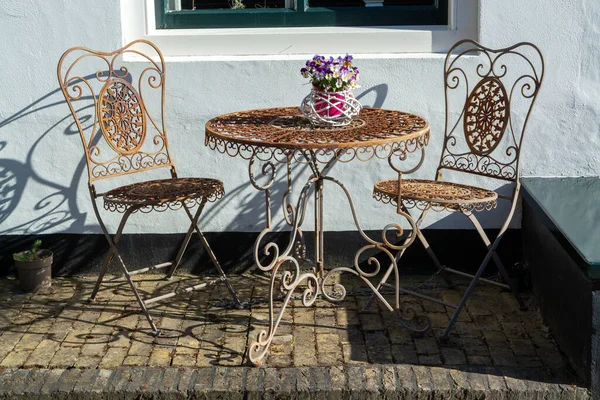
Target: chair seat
{"points": [[163, 191], [445, 195]]}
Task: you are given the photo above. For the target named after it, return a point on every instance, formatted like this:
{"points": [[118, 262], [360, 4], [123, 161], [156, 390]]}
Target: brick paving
{"points": [[59, 340]]}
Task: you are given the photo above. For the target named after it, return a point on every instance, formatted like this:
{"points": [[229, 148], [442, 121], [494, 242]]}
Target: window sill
{"points": [[137, 18]]}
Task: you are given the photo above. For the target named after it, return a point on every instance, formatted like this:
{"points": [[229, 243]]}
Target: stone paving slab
{"points": [[55, 342]]}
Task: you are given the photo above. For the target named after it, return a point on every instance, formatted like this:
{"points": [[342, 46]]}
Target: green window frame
{"points": [[302, 16]]}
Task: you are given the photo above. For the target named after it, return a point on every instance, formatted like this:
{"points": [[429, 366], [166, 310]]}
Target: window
{"points": [[139, 21], [194, 14]]}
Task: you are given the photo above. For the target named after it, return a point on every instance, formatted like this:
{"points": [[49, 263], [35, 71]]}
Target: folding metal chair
{"points": [[483, 138], [121, 135]]}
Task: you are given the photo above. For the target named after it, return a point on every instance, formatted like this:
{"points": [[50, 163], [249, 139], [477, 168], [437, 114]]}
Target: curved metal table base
{"points": [[286, 263]]}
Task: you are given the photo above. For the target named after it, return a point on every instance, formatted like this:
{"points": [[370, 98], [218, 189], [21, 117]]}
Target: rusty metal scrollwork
{"points": [[486, 116], [122, 117], [270, 134], [271, 138], [494, 112], [285, 263], [484, 134], [120, 136], [282, 263]]}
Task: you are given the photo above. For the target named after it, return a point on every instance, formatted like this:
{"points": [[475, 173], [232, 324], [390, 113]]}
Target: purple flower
{"points": [[331, 73]]}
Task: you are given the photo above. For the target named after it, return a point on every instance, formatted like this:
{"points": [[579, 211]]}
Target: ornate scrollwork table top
{"points": [[287, 128]]}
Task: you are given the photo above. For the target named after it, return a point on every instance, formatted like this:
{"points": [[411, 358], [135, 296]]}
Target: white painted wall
{"points": [[43, 183]]}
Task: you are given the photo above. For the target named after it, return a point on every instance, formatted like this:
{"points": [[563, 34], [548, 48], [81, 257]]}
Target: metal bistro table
{"points": [[274, 137]]}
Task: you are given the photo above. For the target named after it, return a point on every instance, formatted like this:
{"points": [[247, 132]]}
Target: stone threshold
{"points": [[400, 381]]}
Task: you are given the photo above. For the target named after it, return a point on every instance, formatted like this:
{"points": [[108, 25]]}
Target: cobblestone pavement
{"points": [[494, 345]]}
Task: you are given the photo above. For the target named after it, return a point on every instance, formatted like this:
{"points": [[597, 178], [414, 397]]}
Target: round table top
{"points": [[287, 128]]}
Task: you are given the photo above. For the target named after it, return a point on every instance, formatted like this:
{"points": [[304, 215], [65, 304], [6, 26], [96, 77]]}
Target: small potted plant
{"points": [[330, 101], [34, 267]]}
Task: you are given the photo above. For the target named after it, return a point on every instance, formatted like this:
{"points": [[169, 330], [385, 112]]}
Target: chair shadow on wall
{"points": [[57, 215], [55, 209], [60, 208]]}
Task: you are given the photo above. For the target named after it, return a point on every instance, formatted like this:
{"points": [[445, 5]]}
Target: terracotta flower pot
{"points": [[35, 275]]}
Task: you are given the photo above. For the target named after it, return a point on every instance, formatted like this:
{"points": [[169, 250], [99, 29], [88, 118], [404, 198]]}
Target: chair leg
{"points": [[467, 294], [214, 258], [109, 257], [218, 266], [115, 252], [490, 254], [434, 258], [186, 240], [497, 260]]}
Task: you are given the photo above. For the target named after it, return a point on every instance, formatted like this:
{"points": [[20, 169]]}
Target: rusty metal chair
{"points": [[483, 138], [121, 135]]}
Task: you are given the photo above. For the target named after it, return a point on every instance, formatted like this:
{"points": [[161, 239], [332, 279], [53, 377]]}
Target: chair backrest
{"points": [[489, 96], [121, 131]]}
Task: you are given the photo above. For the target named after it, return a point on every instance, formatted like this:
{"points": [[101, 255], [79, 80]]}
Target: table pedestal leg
{"points": [[319, 231], [282, 262], [292, 276]]}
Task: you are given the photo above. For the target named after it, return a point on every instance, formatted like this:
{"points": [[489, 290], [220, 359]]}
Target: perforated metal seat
{"points": [[425, 193], [164, 191]]}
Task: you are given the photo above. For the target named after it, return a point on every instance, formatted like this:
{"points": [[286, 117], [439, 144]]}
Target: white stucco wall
{"points": [[42, 177]]}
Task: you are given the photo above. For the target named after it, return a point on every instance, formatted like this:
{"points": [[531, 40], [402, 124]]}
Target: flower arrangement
{"points": [[331, 74], [330, 102]]}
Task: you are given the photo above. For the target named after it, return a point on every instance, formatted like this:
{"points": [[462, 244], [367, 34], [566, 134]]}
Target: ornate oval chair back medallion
{"points": [[122, 117], [486, 116]]}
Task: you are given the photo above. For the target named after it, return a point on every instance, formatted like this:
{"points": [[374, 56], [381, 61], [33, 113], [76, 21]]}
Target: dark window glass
{"points": [[361, 3], [228, 4], [195, 14]]}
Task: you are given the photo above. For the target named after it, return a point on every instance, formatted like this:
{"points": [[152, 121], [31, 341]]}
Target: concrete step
{"points": [[398, 381]]}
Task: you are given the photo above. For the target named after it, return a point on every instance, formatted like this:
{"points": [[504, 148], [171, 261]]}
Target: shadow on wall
{"points": [[57, 214], [59, 208]]}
